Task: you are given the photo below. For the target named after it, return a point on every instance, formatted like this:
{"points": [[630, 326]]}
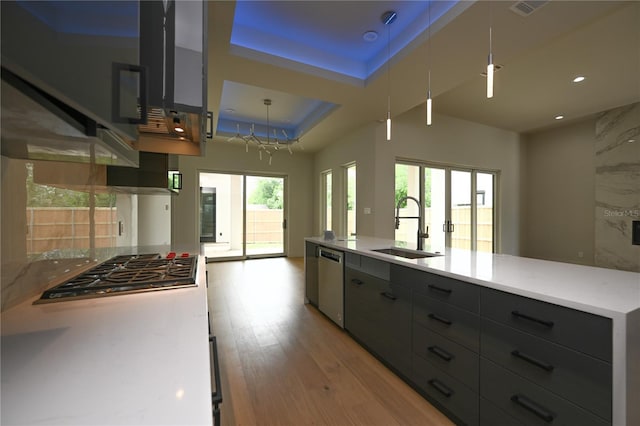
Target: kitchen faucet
{"points": [[421, 235]]}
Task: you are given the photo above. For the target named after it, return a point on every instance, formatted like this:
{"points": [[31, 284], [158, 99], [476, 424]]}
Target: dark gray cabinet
{"points": [[311, 272], [483, 356], [570, 374], [528, 402], [378, 311], [446, 340], [542, 363]]}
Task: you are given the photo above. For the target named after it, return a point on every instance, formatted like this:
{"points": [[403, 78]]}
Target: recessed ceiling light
{"points": [[559, 117], [578, 79], [631, 140], [370, 36]]}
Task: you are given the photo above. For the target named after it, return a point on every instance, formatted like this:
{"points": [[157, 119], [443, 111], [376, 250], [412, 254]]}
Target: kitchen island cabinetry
{"points": [[311, 273], [446, 337], [378, 311], [500, 339], [544, 363]]}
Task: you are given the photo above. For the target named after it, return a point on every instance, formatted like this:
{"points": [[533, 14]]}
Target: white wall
{"points": [[154, 220], [224, 157], [559, 194], [449, 141]]}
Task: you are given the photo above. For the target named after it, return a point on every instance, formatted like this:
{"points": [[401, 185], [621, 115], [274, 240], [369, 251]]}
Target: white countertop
{"points": [[137, 359], [607, 292]]}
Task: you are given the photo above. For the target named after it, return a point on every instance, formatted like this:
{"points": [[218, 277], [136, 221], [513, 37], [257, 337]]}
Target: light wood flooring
{"points": [[283, 362]]}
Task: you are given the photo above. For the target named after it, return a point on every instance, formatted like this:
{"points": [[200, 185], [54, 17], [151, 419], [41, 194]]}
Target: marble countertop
{"points": [[138, 359], [607, 292]]}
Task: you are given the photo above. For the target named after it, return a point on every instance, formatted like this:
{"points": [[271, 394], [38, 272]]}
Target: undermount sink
{"points": [[408, 254]]}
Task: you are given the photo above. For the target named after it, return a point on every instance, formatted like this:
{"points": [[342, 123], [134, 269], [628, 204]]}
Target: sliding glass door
{"points": [[242, 216], [458, 206], [265, 222]]}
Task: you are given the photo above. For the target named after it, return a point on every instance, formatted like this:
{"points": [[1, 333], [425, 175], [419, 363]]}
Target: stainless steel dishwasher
{"points": [[331, 284]]}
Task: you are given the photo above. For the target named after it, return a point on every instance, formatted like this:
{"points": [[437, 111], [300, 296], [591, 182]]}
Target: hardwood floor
{"points": [[283, 362]]}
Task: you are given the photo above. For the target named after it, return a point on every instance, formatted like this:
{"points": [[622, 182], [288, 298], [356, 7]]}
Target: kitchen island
{"points": [[129, 359], [470, 301]]}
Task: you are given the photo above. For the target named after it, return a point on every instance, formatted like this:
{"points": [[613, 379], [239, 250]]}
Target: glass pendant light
{"points": [[490, 67], [429, 101], [387, 19]]}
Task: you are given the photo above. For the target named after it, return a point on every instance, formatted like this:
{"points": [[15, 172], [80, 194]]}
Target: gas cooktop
{"points": [[127, 274]]}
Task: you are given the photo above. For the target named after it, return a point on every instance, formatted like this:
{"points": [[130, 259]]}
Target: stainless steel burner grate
{"points": [[126, 274]]}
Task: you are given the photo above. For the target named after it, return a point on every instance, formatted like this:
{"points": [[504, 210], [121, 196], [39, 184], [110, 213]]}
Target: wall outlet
{"points": [[580, 254], [367, 210]]}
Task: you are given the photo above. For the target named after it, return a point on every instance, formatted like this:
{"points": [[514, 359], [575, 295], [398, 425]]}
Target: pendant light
{"points": [[387, 19], [429, 101], [490, 67]]}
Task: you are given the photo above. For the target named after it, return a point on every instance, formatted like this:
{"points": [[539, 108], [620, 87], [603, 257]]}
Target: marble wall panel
{"points": [[617, 187]]}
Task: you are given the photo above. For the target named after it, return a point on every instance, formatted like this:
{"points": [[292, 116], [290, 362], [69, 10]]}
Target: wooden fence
{"points": [[58, 228]]}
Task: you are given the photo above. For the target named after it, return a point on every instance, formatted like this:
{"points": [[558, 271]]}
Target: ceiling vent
{"points": [[526, 8]]}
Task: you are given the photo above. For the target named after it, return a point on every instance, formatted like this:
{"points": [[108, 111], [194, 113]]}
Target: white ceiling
{"points": [[540, 55]]}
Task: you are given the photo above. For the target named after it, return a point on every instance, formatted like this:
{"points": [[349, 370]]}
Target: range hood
{"points": [[129, 80], [37, 126], [152, 177]]}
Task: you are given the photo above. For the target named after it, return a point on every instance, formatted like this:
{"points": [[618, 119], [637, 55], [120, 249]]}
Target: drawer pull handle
{"points": [[388, 295], [534, 319], [545, 366], [441, 289], [357, 281], [440, 319], [440, 353], [441, 387], [536, 409]]}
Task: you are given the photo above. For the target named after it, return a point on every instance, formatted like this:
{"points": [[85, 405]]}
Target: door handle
{"points": [[531, 360], [116, 84], [448, 226], [388, 295], [441, 387], [546, 323], [209, 125], [438, 351], [536, 409], [440, 319]]}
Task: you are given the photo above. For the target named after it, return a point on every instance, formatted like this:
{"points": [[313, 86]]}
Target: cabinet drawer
{"points": [[450, 357], [458, 293], [490, 415], [528, 402], [361, 293], [556, 323], [456, 324], [369, 265], [573, 375], [460, 400]]}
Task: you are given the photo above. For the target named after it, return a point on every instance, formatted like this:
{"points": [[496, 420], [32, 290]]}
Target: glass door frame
{"points": [[285, 217], [285, 214], [448, 168]]}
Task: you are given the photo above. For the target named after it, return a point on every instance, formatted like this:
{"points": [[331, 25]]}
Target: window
{"points": [[456, 215], [326, 200], [351, 199]]}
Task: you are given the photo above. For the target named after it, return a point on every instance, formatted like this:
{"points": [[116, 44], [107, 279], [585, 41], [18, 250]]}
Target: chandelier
{"points": [[269, 144]]}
